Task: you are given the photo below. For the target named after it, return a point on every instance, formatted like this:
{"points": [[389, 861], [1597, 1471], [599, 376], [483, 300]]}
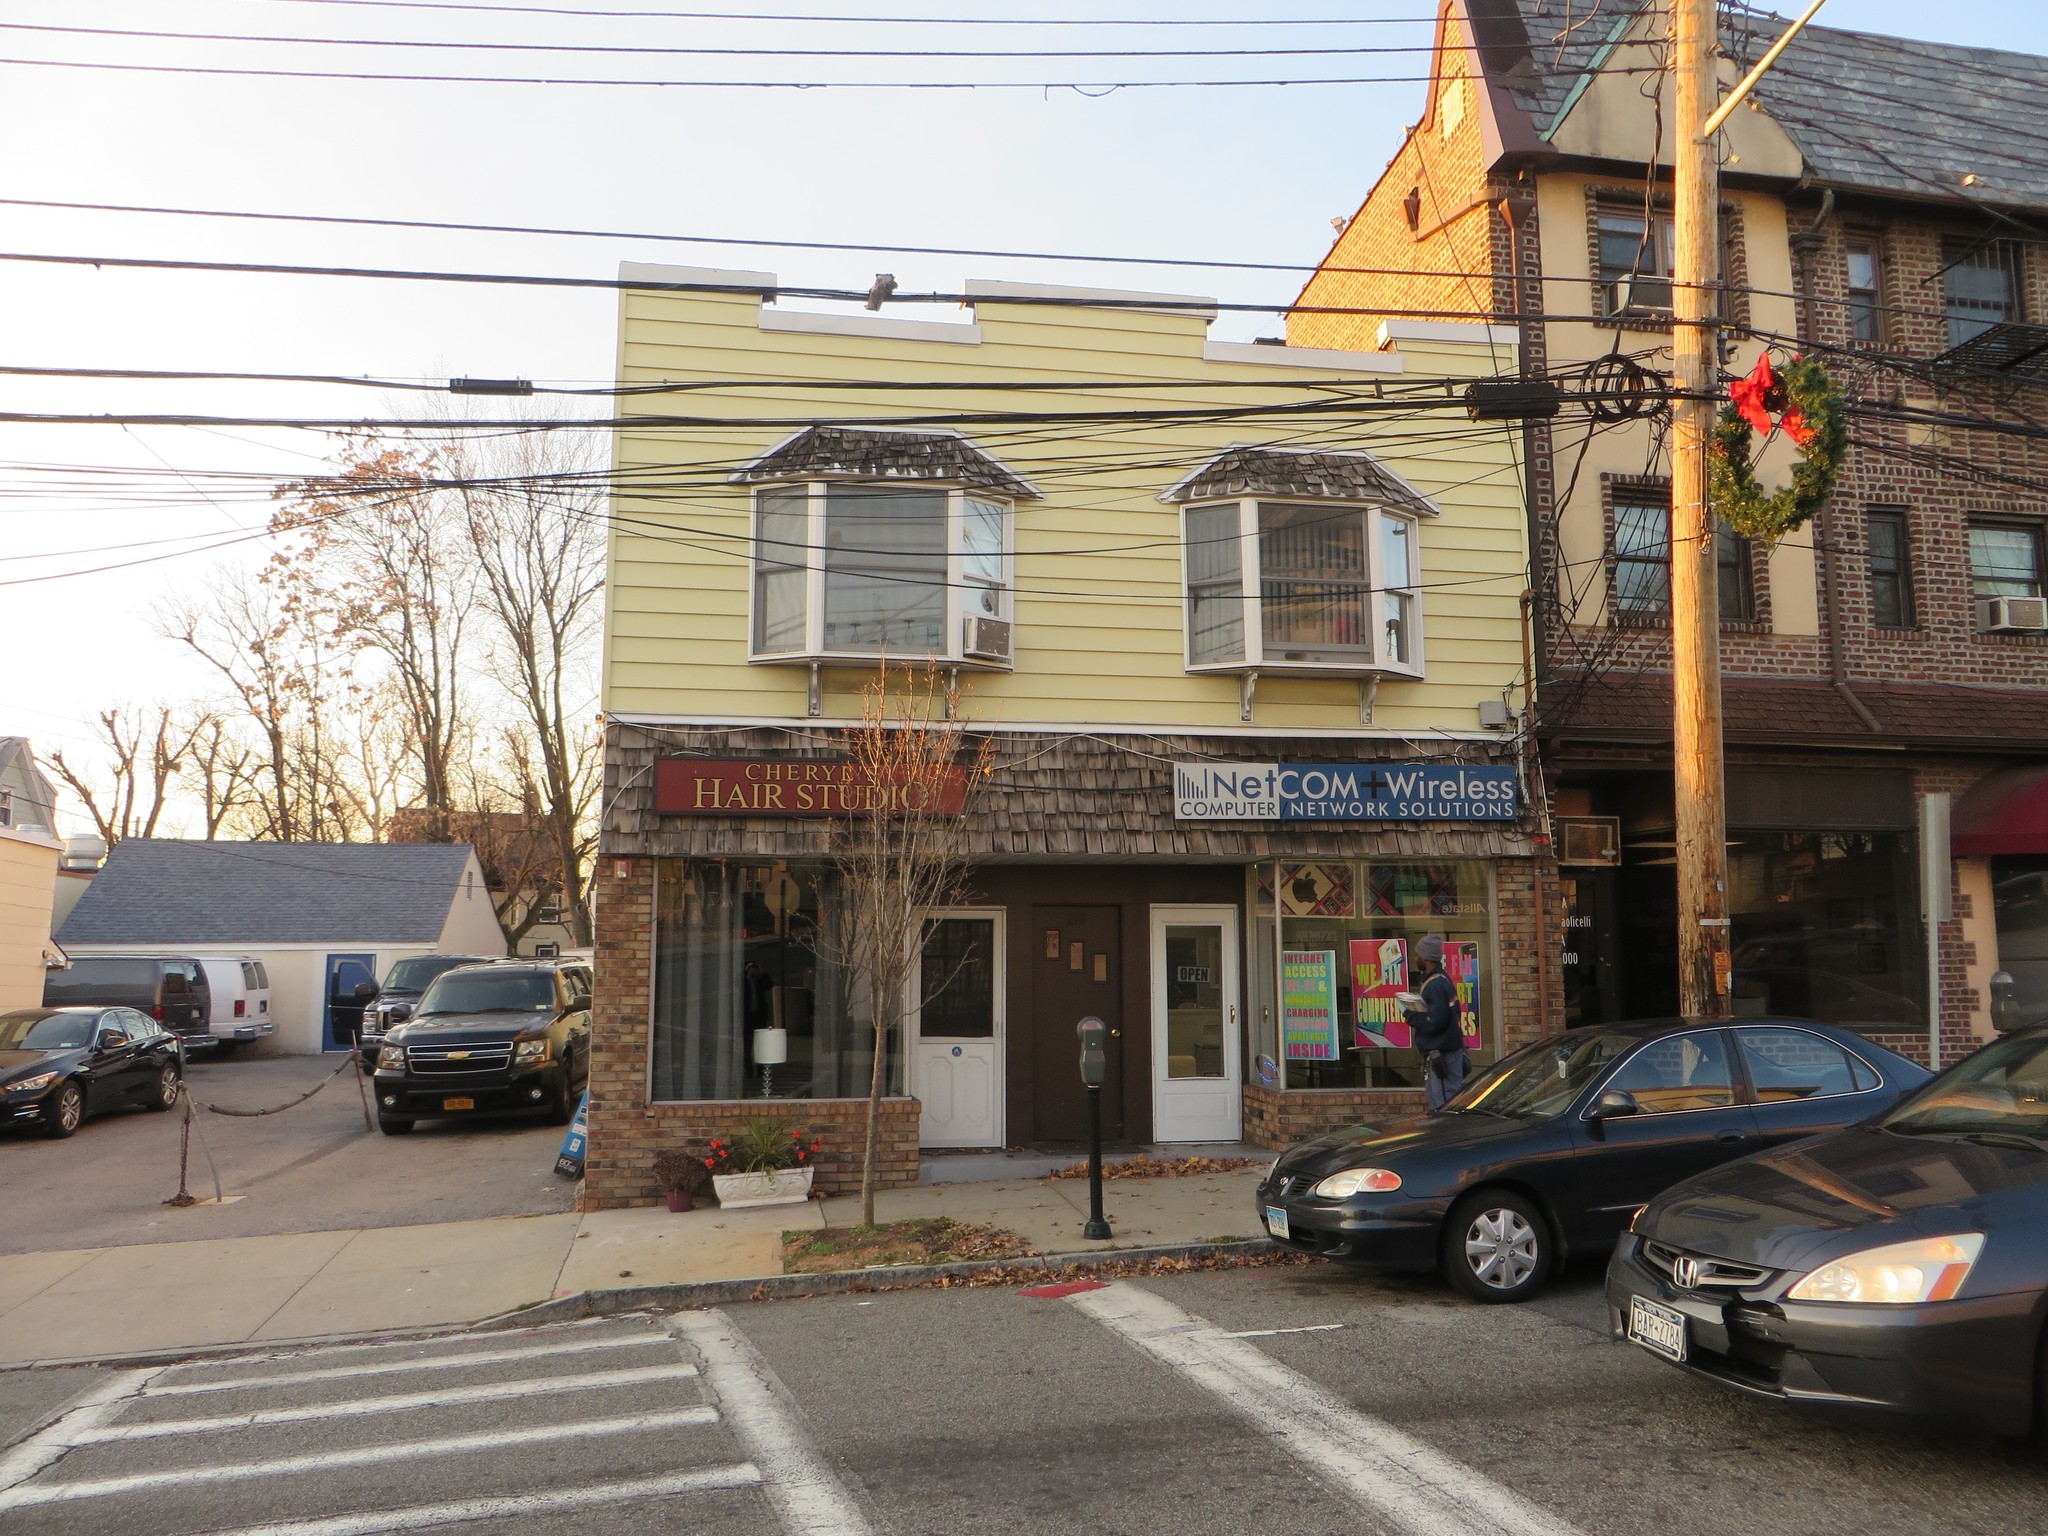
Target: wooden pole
{"points": [[1698, 784]]}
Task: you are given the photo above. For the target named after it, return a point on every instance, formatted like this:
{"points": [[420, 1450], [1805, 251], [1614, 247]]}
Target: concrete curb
{"points": [[715, 1293]]}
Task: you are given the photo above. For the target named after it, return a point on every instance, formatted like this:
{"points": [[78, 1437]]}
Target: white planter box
{"points": [[781, 1186]]}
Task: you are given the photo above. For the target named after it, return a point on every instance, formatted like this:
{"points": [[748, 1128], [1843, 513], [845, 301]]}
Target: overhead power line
{"points": [[920, 21]]}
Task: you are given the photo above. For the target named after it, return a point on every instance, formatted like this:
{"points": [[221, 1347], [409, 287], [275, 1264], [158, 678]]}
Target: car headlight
{"points": [[392, 1056], [1636, 1216], [1353, 1180], [31, 1084], [1271, 1168], [1899, 1274], [530, 1053]]}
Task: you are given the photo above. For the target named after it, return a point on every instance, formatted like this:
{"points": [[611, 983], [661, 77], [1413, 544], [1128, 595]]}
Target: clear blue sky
{"points": [[1248, 174]]}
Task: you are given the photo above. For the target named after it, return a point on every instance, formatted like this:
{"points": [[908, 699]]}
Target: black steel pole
{"points": [[1097, 1229]]}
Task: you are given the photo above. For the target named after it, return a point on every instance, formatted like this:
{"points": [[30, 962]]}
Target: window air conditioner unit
{"points": [[986, 639], [1589, 840], [2008, 615]]}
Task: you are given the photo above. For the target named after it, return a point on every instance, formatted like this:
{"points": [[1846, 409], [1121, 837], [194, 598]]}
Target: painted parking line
{"points": [[22, 1497], [807, 1497], [358, 1407], [512, 1506], [407, 1367], [1416, 1487]]}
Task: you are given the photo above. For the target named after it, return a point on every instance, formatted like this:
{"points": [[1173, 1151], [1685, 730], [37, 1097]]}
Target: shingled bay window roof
{"points": [[869, 453], [1276, 472]]}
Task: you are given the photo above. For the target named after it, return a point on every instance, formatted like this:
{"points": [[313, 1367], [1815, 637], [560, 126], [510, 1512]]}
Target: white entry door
{"points": [[1197, 1074], [957, 1022]]}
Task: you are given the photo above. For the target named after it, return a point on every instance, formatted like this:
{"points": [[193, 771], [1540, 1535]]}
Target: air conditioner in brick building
{"points": [[1589, 840], [2011, 615]]}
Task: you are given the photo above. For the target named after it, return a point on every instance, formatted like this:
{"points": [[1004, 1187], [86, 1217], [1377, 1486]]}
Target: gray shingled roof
{"points": [[876, 454], [1870, 112], [158, 891], [1312, 476]]}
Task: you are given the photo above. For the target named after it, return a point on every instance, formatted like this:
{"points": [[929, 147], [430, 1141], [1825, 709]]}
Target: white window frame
{"points": [[1372, 659], [958, 609]]}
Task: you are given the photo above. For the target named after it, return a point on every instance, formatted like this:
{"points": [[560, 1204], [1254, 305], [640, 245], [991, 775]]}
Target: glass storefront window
{"points": [[747, 946], [1826, 926], [1327, 1010]]}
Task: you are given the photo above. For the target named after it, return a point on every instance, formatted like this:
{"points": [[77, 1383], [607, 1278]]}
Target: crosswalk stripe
{"points": [[357, 1407], [100, 1402], [1422, 1491], [742, 1474], [798, 1482], [426, 1363], [162, 1480]]}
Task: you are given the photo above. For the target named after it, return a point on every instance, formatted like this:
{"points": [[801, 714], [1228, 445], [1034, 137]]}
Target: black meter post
{"points": [[1094, 1037]]}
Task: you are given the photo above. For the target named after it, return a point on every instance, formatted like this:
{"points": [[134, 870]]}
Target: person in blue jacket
{"points": [[1437, 1030]]}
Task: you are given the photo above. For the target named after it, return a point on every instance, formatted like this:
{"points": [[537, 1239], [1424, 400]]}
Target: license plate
{"points": [[1658, 1329], [458, 1103], [1276, 1221]]}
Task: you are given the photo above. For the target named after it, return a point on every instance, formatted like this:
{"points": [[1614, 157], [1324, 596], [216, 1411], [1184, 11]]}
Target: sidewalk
{"points": [[83, 1303]]}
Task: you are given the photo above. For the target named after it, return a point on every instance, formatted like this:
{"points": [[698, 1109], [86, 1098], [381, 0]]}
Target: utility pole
{"points": [[1698, 781]]}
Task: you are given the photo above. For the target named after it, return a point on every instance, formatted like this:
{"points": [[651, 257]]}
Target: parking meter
{"points": [[1094, 1035], [1094, 1062], [2005, 1003]]}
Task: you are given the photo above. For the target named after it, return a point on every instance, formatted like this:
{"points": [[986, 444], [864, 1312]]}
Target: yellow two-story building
{"points": [[1243, 621]]}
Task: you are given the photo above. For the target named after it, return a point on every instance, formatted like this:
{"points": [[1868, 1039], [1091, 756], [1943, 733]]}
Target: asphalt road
{"points": [[312, 1168], [1296, 1400]]}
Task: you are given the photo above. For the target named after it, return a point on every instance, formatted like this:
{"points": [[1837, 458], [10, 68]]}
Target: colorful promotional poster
{"points": [[1315, 890], [1461, 964], [1379, 970], [1308, 1005]]}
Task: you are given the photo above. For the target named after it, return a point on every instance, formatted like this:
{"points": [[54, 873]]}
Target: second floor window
{"points": [[1980, 286], [2005, 560], [849, 569], [1641, 559], [1866, 308], [1734, 576], [1634, 274], [1891, 571], [1277, 584]]}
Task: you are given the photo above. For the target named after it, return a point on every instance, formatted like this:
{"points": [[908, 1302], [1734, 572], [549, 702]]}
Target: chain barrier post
{"points": [[184, 1196]]}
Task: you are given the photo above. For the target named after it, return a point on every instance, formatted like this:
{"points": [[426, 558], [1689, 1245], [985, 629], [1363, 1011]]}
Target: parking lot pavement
{"points": [[1303, 1400], [312, 1168]]}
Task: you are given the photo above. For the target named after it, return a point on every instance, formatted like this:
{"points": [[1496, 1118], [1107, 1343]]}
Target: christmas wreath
{"points": [[1808, 406]]}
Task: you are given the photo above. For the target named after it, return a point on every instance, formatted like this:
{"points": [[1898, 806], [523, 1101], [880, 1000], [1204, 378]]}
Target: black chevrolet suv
{"points": [[508, 1038]]}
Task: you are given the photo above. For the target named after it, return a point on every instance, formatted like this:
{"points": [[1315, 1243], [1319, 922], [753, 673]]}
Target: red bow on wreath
{"points": [[1761, 395]]}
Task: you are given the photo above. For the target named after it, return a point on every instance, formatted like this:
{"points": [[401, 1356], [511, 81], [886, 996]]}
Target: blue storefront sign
{"points": [[1344, 792]]}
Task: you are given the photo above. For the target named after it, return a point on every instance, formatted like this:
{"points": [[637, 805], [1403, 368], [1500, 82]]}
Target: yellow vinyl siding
{"points": [[1098, 602], [28, 877]]}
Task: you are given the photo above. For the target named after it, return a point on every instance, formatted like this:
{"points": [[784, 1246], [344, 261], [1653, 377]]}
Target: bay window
{"points": [[1286, 585], [846, 568]]}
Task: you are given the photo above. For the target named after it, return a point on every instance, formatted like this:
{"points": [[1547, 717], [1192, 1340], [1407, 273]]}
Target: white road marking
{"points": [[357, 1407], [1418, 1488], [429, 1363], [168, 1479], [458, 1511], [93, 1407], [807, 1497], [1274, 1333]]}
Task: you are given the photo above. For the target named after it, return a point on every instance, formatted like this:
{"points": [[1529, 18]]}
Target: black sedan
{"points": [[1899, 1266], [58, 1065], [1554, 1148]]}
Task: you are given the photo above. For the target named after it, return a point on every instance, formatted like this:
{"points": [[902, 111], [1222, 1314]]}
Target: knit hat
{"points": [[1431, 949]]}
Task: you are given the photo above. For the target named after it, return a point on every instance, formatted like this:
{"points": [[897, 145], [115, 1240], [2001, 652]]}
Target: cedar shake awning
{"points": [[2003, 812], [1636, 707], [869, 453], [1304, 476]]}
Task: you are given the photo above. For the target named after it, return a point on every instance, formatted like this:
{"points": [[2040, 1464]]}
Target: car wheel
{"points": [[1498, 1247], [168, 1085], [65, 1111], [562, 1107], [395, 1127]]}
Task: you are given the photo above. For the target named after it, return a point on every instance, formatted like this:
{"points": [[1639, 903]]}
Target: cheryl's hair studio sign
{"points": [[769, 786]]}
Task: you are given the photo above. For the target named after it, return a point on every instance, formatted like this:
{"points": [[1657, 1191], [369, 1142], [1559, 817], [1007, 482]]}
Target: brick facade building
{"points": [[1871, 683]]}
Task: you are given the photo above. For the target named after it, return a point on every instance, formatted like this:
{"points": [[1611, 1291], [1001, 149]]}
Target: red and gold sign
{"points": [[758, 786]]}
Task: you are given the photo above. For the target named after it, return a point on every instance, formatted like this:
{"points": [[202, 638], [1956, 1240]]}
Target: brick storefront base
{"points": [[623, 1142], [1279, 1120]]}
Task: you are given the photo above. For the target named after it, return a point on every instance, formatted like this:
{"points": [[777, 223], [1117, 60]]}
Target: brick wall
{"points": [[1279, 1120], [626, 1131]]}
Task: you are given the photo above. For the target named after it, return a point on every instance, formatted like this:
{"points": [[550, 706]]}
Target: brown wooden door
{"points": [[1077, 971]]}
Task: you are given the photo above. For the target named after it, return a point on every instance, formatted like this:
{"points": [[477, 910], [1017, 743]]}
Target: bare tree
{"points": [[222, 772], [537, 533], [904, 852], [145, 759]]}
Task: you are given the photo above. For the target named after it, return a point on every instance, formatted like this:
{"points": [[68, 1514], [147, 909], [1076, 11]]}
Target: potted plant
{"points": [[683, 1174], [769, 1162]]}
